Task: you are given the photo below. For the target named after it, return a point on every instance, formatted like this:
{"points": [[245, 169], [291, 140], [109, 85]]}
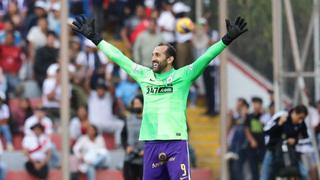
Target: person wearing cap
{"points": [[51, 94], [166, 22], [51, 90], [183, 41], [54, 18], [4, 121], [75, 48], [39, 116], [39, 11], [37, 147]]}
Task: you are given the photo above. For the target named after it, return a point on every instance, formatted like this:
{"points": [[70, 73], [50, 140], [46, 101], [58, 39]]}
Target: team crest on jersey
{"points": [[136, 67], [169, 80]]}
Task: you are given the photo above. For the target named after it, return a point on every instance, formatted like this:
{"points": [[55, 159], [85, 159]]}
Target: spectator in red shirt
{"points": [[134, 26], [10, 61]]}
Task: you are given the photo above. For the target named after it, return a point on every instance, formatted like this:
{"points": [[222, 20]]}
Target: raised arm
{"points": [[234, 30], [115, 55], [86, 27]]}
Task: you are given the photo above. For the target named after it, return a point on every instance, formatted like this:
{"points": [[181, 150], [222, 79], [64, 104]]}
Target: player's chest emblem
{"points": [[154, 81], [169, 80]]}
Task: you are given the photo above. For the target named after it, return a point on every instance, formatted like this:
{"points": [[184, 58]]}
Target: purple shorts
{"points": [[166, 160]]}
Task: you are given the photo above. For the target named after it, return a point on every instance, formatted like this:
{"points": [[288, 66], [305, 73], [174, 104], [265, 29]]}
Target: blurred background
{"points": [[274, 66]]}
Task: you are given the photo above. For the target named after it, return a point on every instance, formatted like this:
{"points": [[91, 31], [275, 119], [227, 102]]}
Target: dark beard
{"points": [[159, 69]]}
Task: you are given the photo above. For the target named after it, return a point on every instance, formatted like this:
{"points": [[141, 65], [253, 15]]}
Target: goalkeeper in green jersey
{"points": [[165, 92]]}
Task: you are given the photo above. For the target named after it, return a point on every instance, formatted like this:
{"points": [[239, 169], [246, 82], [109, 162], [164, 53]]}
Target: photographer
{"points": [[133, 163], [283, 132]]}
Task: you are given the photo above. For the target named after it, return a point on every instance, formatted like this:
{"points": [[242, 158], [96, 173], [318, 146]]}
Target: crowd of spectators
{"points": [[103, 98], [256, 139]]}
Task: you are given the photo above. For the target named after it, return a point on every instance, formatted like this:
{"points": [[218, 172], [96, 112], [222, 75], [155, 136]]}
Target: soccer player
{"points": [[165, 92]]}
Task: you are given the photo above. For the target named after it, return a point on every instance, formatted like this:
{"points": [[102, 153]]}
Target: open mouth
{"points": [[155, 65]]}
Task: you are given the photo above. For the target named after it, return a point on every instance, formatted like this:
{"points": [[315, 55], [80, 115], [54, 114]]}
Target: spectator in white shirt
{"points": [[91, 61], [100, 111], [167, 22], [39, 116], [88, 57], [51, 92], [91, 150], [80, 123], [4, 118], [37, 147], [37, 35]]}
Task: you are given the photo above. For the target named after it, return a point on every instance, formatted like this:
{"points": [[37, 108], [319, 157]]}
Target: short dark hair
{"points": [[85, 106], [244, 102], [256, 100], [38, 125], [171, 51], [139, 97], [9, 21], [300, 109], [51, 33], [95, 129], [270, 91]]}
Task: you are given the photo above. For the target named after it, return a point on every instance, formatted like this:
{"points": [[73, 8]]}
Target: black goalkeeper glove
{"points": [[234, 30], [86, 27]]}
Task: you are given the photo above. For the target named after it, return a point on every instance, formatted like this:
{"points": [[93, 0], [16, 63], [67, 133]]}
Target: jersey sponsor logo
{"points": [[157, 164], [160, 163], [178, 134], [160, 89]]}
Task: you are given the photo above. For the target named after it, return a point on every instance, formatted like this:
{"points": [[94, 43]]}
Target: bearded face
{"points": [[159, 59]]}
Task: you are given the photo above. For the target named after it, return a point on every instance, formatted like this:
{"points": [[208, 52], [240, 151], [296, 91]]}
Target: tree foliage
{"points": [[255, 47]]}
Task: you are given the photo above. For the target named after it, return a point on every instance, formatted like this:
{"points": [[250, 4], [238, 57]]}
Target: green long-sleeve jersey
{"points": [[165, 94]]}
